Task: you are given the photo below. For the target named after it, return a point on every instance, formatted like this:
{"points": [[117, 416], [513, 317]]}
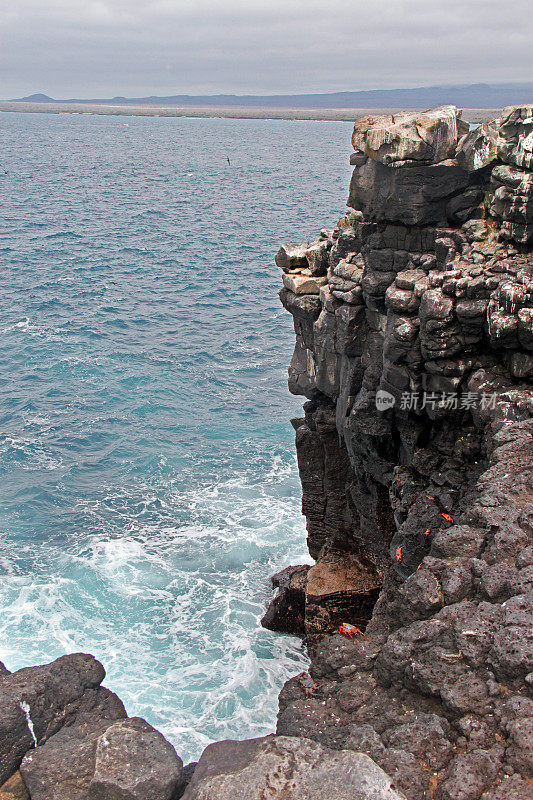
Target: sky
{"points": [[103, 48]]}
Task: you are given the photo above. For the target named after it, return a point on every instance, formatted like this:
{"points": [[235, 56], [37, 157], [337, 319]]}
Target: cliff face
{"points": [[414, 349]]}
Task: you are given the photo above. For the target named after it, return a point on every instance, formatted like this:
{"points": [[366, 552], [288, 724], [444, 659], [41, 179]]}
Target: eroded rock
{"points": [[133, 761], [38, 701], [104, 760], [281, 766], [420, 137], [286, 612], [515, 142]]}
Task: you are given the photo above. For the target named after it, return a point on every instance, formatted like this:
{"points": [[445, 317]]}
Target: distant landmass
{"points": [[480, 95]]}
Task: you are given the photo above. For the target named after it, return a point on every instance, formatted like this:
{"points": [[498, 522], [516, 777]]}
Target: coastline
{"points": [[472, 115], [417, 611]]}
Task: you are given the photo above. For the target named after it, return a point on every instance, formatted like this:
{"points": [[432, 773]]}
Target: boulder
{"points": [[37, 702], [409, 138], [478, 148], [96, 760], [317, 257], [62, 768], [515, 136], [304, 306], [291, 256], [286, 767], [133, 761], [286, 612], [468, 776], [303, 284]]}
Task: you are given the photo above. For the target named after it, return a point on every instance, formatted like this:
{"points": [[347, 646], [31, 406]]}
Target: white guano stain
{"points": [[26, 709]]}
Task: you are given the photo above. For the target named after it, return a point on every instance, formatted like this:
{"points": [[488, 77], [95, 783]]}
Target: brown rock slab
{"points": [[14, 789], [341, 588]]}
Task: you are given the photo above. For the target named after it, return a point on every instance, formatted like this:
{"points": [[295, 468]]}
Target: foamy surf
{"points": [[148, 481]]}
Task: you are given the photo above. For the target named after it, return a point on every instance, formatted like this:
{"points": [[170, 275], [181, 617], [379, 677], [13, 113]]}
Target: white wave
{"points": [[171, 609]]}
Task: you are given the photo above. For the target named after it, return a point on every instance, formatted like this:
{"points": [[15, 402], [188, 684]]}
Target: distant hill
{"points": [[480, 95], [35, 98]]}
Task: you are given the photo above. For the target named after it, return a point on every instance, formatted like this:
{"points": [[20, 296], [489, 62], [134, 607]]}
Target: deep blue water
{"points": [[148, 483]]}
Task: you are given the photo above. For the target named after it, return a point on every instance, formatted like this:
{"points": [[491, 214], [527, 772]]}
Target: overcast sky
{"points": [[101, 48]]}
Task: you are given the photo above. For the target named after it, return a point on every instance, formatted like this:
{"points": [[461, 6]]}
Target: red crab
{"points": [[399, 553], [427, 532], [307, 684], [350, 630], [447, 517]]}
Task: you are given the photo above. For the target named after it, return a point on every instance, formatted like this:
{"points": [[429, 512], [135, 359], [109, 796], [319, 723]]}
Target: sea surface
{"points": [[148, 484]]}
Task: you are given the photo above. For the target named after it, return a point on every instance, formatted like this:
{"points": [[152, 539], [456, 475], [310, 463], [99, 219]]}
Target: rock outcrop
{"points": [[100, 760], [286, 612], [82, 746], [37, 702], [416, 459], [286, 767], [72, 739]]}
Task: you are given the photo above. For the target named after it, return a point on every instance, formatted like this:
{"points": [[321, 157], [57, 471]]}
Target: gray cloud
{"points": [[99, 48]]}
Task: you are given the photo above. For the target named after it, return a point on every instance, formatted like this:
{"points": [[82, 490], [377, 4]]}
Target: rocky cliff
{"points": [[414, 349]]}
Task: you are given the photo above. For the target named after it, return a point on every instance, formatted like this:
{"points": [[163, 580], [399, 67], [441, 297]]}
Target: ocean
{"points": [[148, 478]]}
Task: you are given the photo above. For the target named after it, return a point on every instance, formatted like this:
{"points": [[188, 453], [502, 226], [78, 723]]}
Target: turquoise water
{"points": [[148, 482]]}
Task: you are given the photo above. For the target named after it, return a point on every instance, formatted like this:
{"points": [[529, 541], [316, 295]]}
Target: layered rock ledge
{"points": [[414, 349]]}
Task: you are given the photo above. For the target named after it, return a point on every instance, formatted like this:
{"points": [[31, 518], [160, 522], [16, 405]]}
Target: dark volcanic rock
{"points": [[102, 760], [416, 462], [186, 778], [280, 766], [413, 195], [512, 202], [286, 612], [37, 702], [135, 762], [62, 769]]}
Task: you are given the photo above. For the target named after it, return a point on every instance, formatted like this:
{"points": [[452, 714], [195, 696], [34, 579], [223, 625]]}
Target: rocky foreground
{"points": [[414, 349]]}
